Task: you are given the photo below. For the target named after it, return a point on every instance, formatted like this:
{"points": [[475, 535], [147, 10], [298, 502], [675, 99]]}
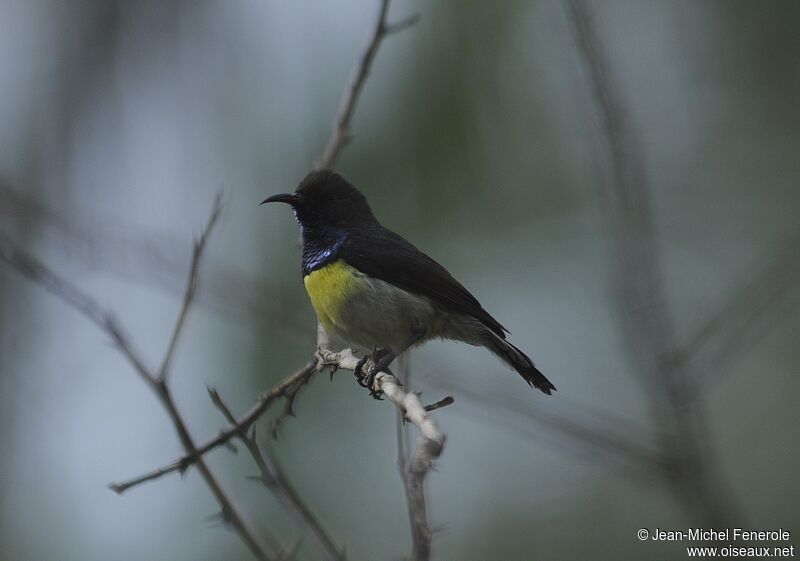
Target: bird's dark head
{"points": [[326, 199]]}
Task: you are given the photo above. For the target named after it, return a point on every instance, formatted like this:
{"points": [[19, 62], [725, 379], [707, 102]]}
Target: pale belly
{"points": [[367, 312]]}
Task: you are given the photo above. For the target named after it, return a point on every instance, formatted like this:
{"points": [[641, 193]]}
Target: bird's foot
{"points": [[358, 371], [367, 380]]}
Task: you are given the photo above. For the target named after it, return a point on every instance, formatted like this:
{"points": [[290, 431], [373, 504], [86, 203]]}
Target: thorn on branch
{"points": [[221, 518], [216, 399], [286, 412], [405, 23], [271, 475], [444, 402]]}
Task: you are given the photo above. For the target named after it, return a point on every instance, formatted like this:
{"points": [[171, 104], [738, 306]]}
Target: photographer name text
{"points": [[724, 534]]}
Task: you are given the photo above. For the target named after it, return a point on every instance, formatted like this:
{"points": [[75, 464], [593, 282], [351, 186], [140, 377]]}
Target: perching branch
{"points": [[156, 380], [341, 128], [429, 445]]}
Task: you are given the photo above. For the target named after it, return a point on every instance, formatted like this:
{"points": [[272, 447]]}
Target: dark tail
{"points": [[520, 362]]}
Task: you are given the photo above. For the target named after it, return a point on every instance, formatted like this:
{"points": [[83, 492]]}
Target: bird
{"points": [[375, 290]]}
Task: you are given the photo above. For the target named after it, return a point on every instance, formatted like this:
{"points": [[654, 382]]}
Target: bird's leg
{"points": [[357, 371], [367, 379], [382, 358]]}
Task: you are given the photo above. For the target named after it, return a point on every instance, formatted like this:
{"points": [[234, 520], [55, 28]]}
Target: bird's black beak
{"points": [[288, 198]]}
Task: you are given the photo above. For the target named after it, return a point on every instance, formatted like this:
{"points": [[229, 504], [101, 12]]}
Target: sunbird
{"points": [[375, 290]]}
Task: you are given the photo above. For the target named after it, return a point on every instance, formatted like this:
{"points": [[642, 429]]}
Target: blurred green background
{"points": [[474, 139]]}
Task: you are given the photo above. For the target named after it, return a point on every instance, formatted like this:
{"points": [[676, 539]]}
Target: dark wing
{"points": [[382, 254]]}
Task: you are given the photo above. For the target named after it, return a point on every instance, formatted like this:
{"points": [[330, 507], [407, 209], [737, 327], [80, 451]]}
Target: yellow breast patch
{"points": [[329, 287]]}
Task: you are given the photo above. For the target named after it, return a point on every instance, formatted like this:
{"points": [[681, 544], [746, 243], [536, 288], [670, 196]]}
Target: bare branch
{"points": [[37, 272], [341, 129], [229, 511], [104, 320], [429, 446], [274, 479]]}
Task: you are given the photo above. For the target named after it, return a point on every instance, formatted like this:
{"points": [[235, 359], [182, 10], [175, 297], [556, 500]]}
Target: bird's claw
{"points": [[358, 370], [367, 380]]}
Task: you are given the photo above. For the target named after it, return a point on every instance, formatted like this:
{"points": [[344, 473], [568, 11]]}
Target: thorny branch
{"points": [[273, 478], [156, 380], [244, 423]]}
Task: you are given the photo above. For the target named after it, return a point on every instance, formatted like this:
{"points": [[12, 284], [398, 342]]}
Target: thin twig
{"points": [[191, 287], [340, 135], [35, 271], [104, 320], [273, 478], [229, 513]]}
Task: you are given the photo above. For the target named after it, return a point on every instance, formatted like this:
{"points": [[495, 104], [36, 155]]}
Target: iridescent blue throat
{"points": [[321, 245]]}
